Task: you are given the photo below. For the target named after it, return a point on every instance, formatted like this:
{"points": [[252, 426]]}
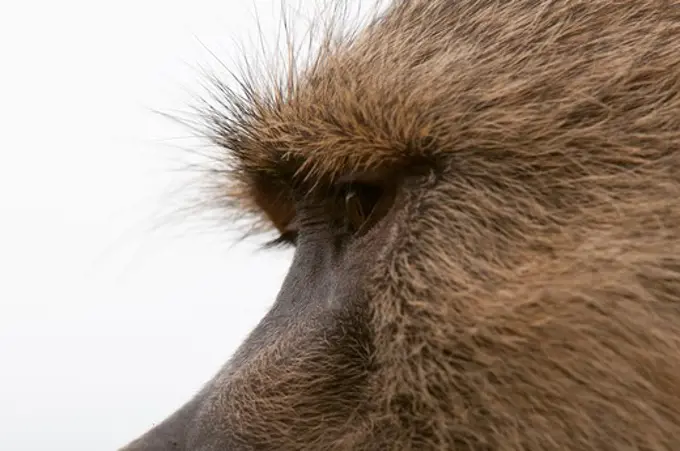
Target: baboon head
{"points": [[484, 199]]}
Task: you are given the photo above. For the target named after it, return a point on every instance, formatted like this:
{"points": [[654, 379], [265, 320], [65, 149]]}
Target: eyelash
{"points": [[285, 239]]}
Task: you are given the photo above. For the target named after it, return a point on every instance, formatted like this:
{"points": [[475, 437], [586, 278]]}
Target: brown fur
{"points": [[528, 294]]}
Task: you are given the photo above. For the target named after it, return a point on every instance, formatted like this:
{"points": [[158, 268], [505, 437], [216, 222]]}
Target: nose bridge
{"points": [[312, 296], [309, 279]]}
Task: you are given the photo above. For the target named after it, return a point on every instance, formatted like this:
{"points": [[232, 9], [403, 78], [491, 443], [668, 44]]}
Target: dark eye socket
{"points": [[359, 204], [354, 211]]}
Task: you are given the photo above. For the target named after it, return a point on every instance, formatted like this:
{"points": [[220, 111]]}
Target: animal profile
{"points": [[484, 199]]}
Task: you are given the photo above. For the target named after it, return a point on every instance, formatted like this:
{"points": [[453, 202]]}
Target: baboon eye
{"points": [[353, 209], [359, 206]]}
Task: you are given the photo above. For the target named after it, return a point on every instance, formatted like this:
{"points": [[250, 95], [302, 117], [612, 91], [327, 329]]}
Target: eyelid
{"points": [[368, 177]]}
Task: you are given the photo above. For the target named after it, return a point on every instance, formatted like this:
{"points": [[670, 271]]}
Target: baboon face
{"points": [[484, 199]]}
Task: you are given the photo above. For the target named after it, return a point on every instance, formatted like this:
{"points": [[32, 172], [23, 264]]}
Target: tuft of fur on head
{"points": [[468, 77], [534, 302], [257, 168]]}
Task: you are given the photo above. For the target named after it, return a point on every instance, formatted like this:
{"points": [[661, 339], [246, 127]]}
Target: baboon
{"points": [[484, 199]]}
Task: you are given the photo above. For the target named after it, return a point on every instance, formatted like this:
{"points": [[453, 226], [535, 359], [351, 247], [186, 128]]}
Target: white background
{"points": [[112, 313]]}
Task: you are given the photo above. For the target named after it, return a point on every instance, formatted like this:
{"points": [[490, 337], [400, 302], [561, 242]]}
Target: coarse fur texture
{"points": [[523, 291]]}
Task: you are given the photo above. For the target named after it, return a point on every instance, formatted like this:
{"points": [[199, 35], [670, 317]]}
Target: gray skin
{"points": [[321, 296]]}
